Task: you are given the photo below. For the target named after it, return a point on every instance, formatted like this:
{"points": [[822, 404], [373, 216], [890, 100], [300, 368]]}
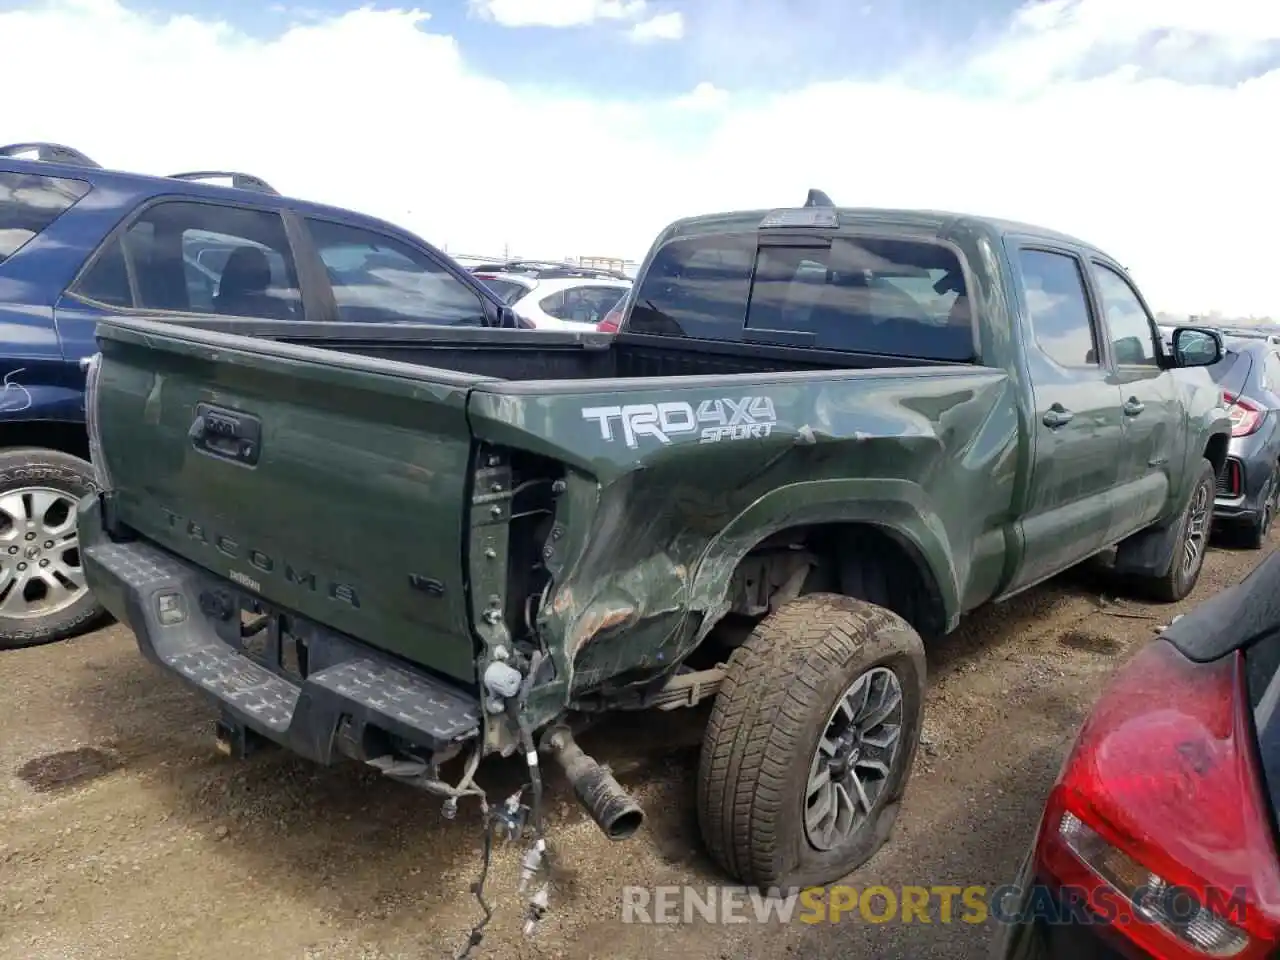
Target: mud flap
{"points": [[1151, 552]]}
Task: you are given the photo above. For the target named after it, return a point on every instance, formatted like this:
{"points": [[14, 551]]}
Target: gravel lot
{"points": [[123, 834]]}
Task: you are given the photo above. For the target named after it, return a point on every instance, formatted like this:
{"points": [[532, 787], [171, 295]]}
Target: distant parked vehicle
{"points": [[79, 243], [1157, 841], [1251, 333], [613, 319], [1249, 482], [1240, 333], [555, 295]]}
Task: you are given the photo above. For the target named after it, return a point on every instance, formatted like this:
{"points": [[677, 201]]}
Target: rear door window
{"points": [[190, 257], [205, 256], [1058, 307], [378, 279], [887, 296], [29, 203]]}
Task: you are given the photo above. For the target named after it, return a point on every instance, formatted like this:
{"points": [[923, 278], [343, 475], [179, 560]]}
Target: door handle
{"points": [[1133, 407], [1058, 416]]}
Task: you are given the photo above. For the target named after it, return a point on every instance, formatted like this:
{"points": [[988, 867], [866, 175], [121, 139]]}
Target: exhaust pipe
{"points": [[611, 807]]}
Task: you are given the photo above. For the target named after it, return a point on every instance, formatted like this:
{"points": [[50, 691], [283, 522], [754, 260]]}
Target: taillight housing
{"points": [[1158, 821], [1245, 416], [92, 366], [611, 322]]}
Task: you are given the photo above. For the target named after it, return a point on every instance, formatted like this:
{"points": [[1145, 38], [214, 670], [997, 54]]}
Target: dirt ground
{"points": [[123, 834]]}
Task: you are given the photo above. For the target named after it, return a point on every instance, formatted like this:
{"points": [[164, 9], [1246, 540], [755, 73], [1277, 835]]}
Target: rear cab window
{"points": [[876, 295], [29, 203]]}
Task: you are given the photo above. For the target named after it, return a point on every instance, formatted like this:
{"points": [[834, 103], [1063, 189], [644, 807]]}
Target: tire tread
{"points": [[759, 717]]}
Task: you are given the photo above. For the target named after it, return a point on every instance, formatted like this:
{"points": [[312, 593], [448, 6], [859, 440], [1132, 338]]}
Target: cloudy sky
{"points": [[582, 127]]}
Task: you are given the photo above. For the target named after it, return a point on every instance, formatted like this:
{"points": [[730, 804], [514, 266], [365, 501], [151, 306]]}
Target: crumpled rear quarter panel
{"points": [[655, 525]]}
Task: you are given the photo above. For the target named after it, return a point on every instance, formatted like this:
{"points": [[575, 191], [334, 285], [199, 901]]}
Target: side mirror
{"points": [[1196, 347], [502, 316]]}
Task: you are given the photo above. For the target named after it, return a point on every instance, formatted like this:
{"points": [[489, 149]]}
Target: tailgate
{"points": [[333, 485]]}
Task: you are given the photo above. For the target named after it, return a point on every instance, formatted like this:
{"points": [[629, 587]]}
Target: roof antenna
{"points": [[817, 198]]}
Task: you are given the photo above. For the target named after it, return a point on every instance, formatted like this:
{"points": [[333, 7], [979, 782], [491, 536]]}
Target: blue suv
{"points": [[79, 242]]}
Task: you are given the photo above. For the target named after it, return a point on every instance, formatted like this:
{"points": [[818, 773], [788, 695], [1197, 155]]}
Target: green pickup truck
{"points": [[820, 436]]}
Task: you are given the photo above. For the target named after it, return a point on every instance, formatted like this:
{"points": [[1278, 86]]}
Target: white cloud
{"points": [[1051, 38], [1175, 178], [664, 26], [705, 96], [556, 13]]}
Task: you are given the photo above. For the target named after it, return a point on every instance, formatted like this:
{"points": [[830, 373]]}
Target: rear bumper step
{"points": [[352, 694]]}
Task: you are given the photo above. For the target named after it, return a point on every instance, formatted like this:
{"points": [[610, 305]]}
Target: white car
{"points": [[555, 296]]}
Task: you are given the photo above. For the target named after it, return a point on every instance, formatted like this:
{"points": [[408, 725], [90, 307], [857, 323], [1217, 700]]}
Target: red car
{"points": [[1159, 838]]}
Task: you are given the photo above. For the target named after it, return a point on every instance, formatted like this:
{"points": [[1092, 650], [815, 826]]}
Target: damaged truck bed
{"points": [[819, 437]]}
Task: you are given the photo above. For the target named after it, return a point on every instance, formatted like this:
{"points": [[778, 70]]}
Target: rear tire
{"points": [[43, 596], [1193, 541], [776, 726]]}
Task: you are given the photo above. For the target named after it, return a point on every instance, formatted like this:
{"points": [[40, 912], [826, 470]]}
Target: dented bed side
{"points": [[668, 485]]}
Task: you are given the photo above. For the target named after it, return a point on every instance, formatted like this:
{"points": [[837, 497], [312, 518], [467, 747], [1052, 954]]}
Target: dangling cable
{"points": [[477, 888]]}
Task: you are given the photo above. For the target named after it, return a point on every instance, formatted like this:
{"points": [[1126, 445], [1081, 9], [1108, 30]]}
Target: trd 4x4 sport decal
{"points": [[713, 421]]}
